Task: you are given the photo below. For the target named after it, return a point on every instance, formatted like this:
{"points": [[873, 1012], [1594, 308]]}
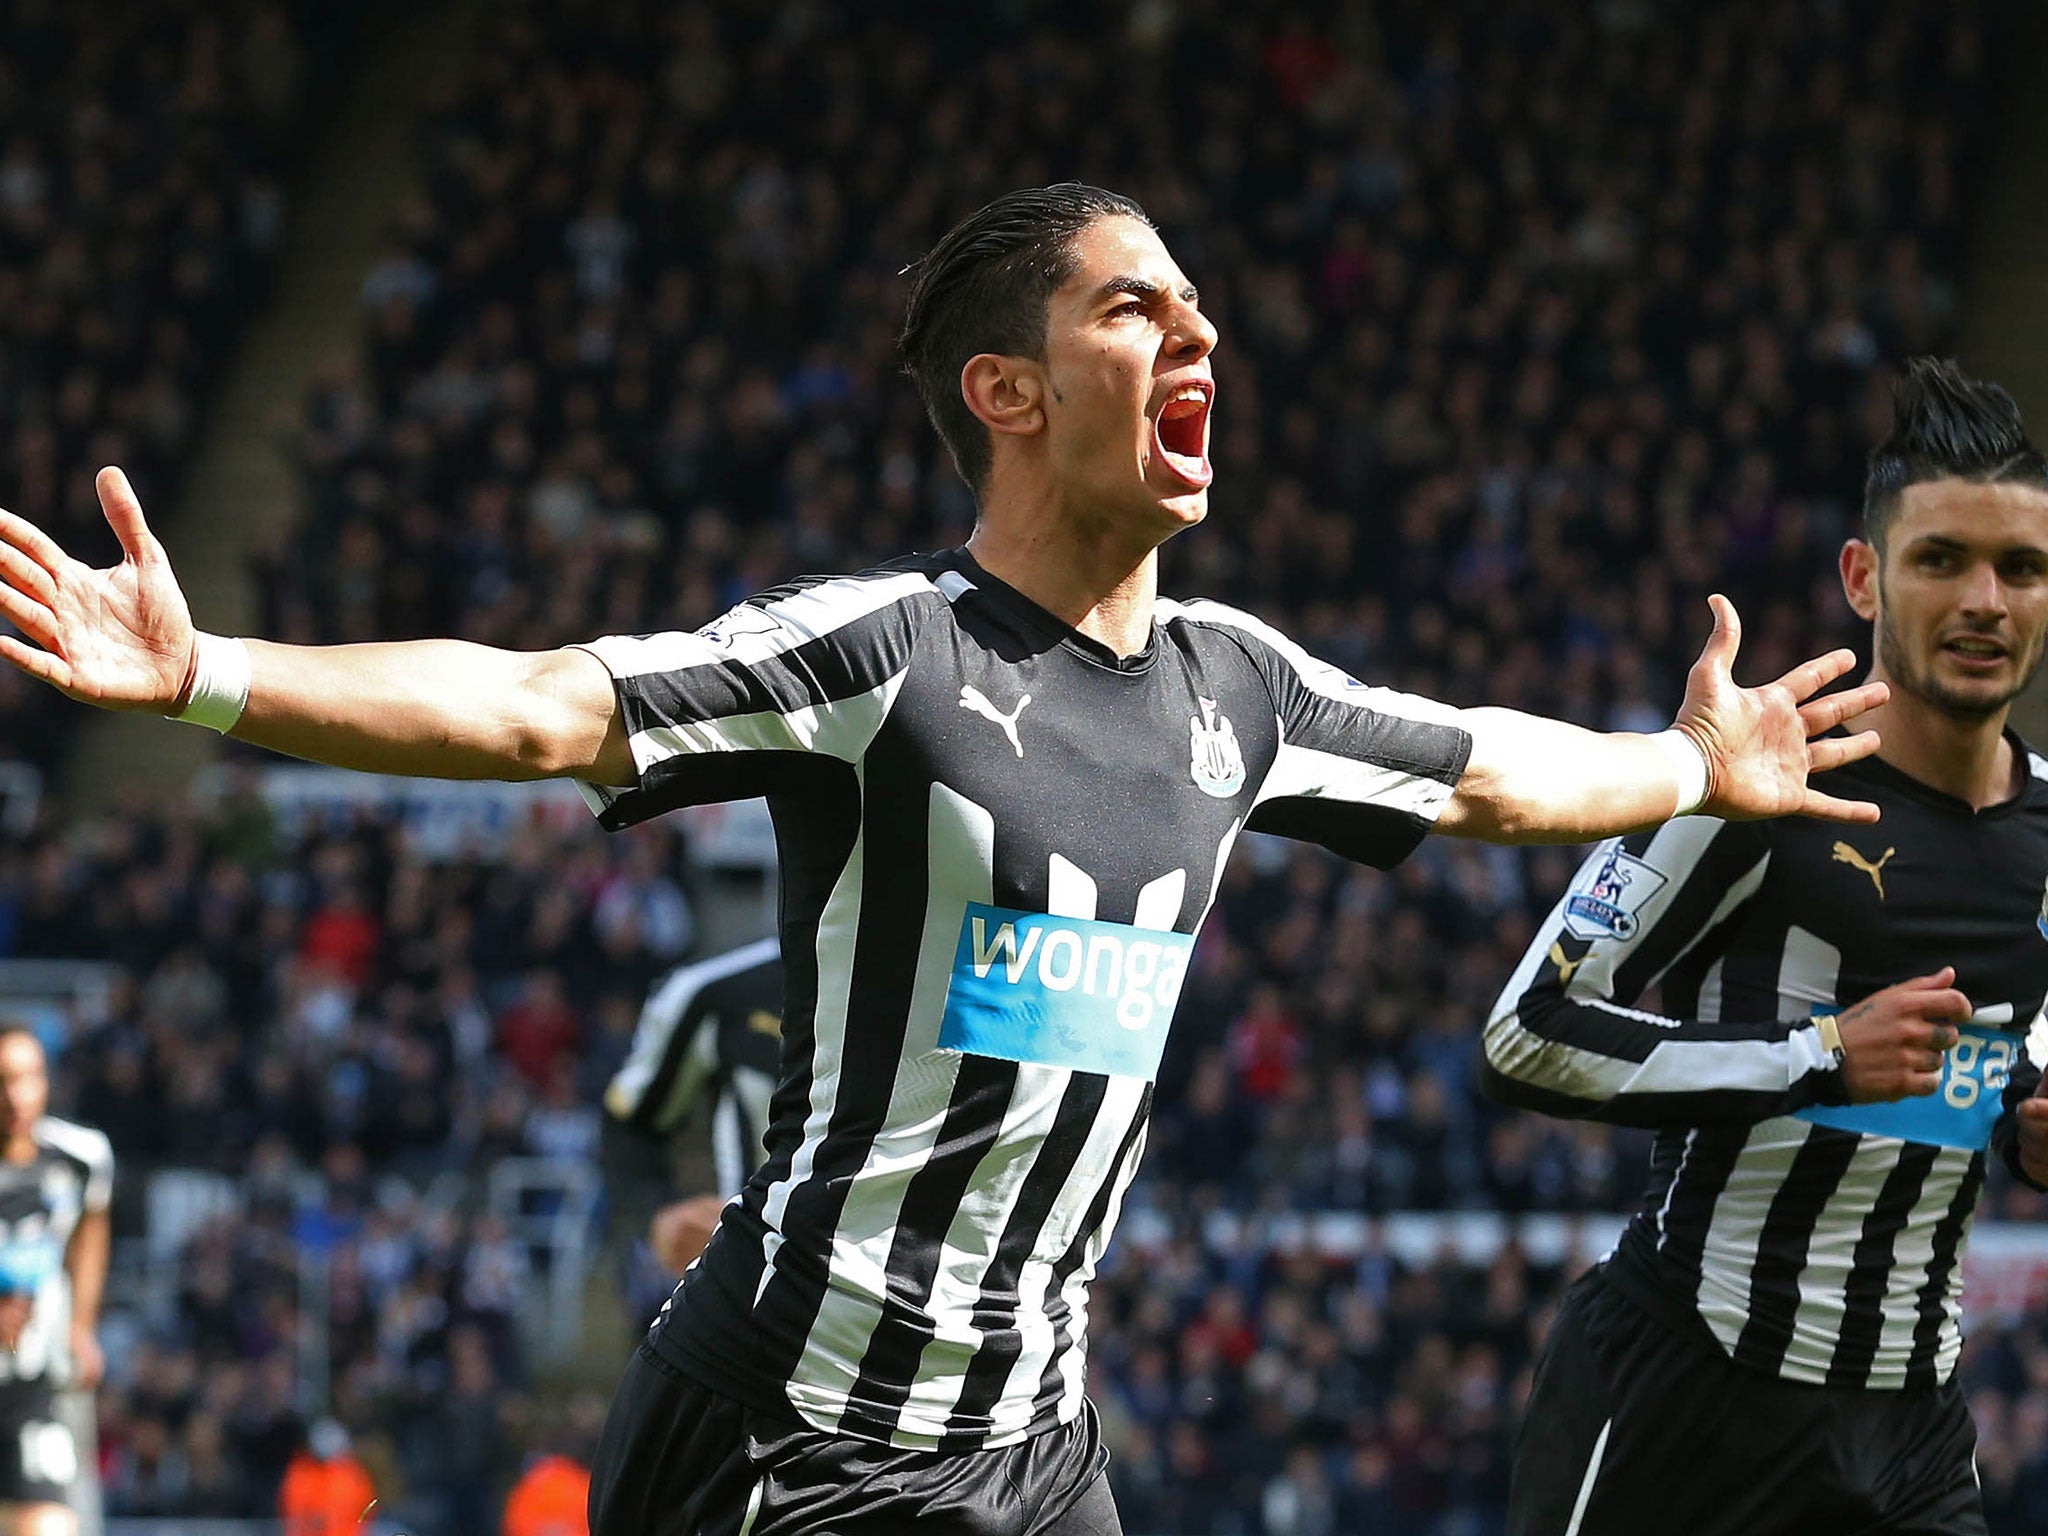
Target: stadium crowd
{"points": [[1540, 321], [144, 157]]}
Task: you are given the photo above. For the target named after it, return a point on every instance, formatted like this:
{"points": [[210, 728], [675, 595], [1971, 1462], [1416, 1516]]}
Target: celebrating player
{"points": [[711, 1029], [1845, 1029], [56, 1182], [1005, 780]]}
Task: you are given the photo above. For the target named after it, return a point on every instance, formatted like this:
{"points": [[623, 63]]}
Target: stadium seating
{"points": [[144, 152]]}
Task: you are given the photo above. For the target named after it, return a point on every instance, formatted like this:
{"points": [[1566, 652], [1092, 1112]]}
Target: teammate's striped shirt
{"points": [[710, 1031], [70, 1175], [998, 840], [1818, 1241]]}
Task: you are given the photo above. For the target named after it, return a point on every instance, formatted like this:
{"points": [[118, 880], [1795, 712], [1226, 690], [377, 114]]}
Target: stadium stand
{"points": [[1540, 321], [145, 148]]}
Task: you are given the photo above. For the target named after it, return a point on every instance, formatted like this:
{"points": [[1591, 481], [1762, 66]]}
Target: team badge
{"points": [[1607, 906], [1215, 761]]}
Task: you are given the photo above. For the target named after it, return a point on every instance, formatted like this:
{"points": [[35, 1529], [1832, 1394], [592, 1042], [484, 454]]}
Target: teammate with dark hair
{"points": [[1847, 1025], [1005, 781]]}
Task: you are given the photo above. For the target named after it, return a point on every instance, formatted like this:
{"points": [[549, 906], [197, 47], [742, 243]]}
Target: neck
{"points": [[1969, 759], [19, 1148], [1083, 571]]}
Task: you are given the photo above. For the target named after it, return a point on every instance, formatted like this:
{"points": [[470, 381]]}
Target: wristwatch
{"points": [[1831, 1038]]}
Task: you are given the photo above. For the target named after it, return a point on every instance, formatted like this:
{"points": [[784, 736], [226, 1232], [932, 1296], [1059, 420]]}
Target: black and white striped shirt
{"points": [[41, 1201], [1818, 1241], [998, 840], [710, 1030]]}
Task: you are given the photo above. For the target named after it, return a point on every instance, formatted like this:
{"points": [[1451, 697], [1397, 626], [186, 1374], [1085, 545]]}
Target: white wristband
{"points": [[1690, 764], [220, 682]]}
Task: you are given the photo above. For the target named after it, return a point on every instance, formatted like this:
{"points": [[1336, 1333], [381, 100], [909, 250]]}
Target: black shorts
{"points": [[1635, 1426], [678, 1459], [38, 1456]]}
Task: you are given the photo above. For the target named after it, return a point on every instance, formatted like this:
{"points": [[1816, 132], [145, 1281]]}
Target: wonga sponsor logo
{"points": [[1606, 907], [1063, 991]]}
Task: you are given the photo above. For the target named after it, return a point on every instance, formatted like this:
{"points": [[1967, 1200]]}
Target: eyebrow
{"points": [[1144, 288], [1948, 545]]}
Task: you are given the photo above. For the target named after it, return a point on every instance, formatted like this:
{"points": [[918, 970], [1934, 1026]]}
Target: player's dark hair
{"points": [[983, 288], [1946, 426]]}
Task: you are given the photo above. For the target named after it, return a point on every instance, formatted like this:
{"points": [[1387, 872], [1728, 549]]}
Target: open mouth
{"points": [[1975, 652], [1182, 432]]}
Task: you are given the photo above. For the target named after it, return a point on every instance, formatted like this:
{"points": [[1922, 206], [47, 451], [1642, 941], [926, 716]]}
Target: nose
{"points": [[1983, 592], [1192, 333]]}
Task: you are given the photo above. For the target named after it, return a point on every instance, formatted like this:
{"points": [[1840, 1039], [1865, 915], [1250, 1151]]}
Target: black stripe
{"points": [[1781, 1249], [995, 1310], [1700, 1180], [1730, 854], [981, 1097], [1862, 1326], [1050, 1382], [1935, 1300]]}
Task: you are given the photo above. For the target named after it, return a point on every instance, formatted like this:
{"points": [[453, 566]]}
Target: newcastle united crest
{"points": [[1215, 761]]}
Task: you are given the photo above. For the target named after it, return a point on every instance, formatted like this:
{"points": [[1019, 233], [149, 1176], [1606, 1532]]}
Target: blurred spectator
{"points": [[327, 1491]]}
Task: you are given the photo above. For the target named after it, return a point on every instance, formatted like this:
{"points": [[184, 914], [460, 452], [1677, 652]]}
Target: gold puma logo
{"points": [[1565, 967], [1844, 854], [762, 1022]]}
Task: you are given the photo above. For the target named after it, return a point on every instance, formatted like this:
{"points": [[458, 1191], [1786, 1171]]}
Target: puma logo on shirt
{"points": [[973, 698]]}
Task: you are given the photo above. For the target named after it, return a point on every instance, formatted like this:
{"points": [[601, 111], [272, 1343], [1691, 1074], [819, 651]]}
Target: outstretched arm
{"points": [[123, 638], [1532, 780]]}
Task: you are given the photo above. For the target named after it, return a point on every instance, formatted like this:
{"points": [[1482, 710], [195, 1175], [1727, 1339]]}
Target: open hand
{"points": [[1758, 741], [120, 638]]}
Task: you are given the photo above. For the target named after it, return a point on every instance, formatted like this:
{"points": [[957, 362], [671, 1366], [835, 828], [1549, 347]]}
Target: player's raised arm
{"points": [[1737, 753], [123, 638]]}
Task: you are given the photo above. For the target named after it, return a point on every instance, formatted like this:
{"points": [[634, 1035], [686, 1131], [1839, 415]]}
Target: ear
{"points": [[1860, 562], [1006, 394]]}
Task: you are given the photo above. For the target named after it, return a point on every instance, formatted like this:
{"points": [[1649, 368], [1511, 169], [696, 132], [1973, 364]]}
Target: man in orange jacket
{"points": [[551, 1498], [326, 1491]]}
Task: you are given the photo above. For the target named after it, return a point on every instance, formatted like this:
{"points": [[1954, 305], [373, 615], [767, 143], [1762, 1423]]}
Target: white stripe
{"points": [[1159, 902], [1069, 890], [961, 852], [755, 632], [1585, 1483], [1317, 676], [753, 1507], [1809, 972], [1728, 1252], [1299, 770], [1711, 999], [838, 928], [1671, 1190], [843, 729]]}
